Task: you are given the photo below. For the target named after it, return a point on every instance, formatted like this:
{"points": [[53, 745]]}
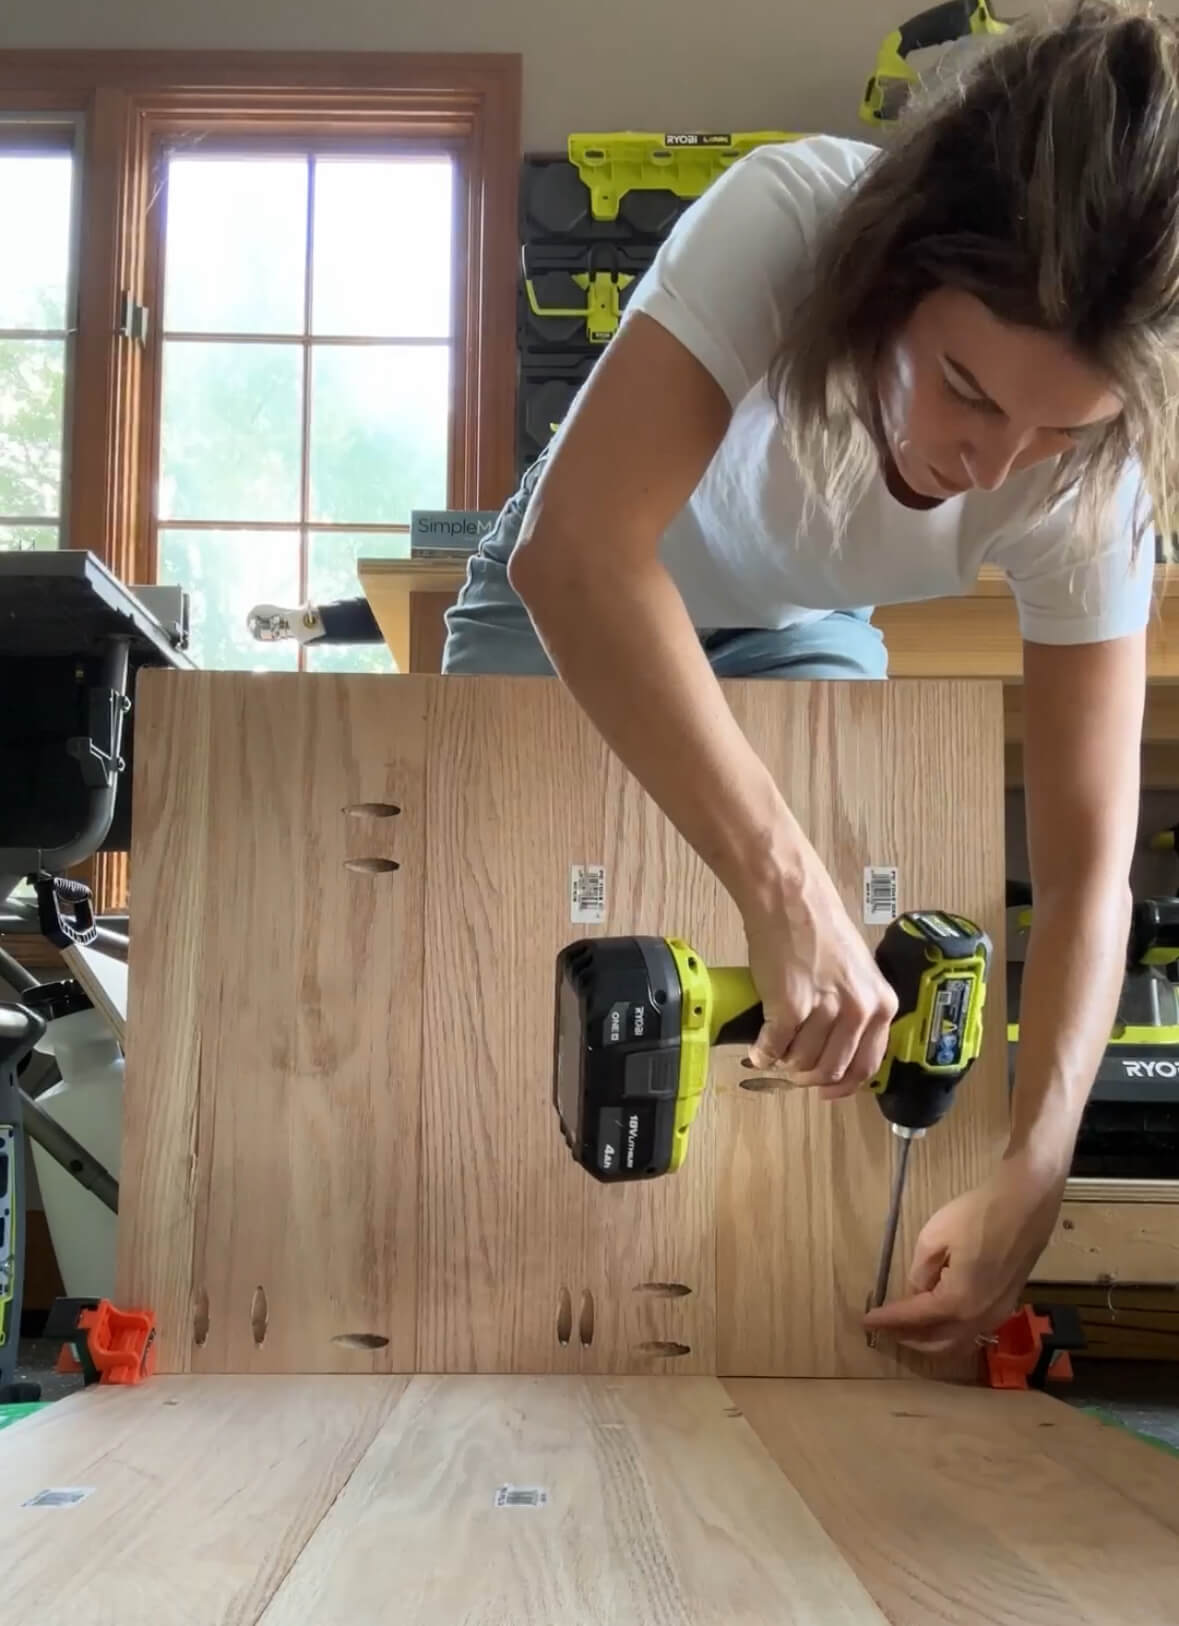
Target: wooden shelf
{"points": [[977, 635], [391, 585]]}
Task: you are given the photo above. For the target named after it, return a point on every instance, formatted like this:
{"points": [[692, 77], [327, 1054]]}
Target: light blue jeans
{"points": [[488, 629]]}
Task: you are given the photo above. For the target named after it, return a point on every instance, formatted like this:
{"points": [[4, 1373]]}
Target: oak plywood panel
{"points": [[203, 1493], [276, 1045], [169, 891], [516, 795], [968, 1507], [645, 1244], [907, 774], [662, 1507], [311, 1065], [519, 1245]]}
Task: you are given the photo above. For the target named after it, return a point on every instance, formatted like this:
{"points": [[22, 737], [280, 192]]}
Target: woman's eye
{"points": [[960, 394]]}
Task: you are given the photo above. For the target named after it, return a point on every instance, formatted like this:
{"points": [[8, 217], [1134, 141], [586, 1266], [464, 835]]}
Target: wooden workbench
{"points": [[364, 1501], [975, 635]]}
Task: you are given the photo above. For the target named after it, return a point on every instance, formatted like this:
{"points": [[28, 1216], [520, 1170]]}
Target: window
{"points": [[304, 391], [36, 323], [130, 181]]}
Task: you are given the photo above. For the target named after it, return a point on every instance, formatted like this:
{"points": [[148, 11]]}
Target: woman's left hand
{"points": [[972, 1260]]}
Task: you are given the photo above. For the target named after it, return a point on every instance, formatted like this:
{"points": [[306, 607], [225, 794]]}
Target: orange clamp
{"points": [[106, 1344], [1032, 1348]]}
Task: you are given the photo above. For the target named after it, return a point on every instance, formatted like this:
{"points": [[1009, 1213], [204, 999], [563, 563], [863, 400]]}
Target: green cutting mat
{"points": [[14, 1414]]}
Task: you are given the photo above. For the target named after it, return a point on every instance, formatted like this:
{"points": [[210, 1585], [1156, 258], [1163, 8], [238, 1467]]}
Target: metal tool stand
{"points": [[19, 1031], [72, 642]]}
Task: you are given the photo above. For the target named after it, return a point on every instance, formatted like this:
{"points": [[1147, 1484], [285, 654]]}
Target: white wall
{"points": [[612, 64]]}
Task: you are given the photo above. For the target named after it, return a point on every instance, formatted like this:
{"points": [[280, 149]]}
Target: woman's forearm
{"points": [[629, 655], [1068, 1001]]}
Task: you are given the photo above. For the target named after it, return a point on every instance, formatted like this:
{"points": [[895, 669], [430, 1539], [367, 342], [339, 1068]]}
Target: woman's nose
{"points": [[990, 459]]}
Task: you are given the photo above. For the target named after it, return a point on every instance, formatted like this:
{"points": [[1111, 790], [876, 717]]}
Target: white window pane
{"points": [[231, 432], [226, 574], [32, 379], [331, 575], [34, 267], [236, 245], [382, 248], [380, 427], [24, 538]]}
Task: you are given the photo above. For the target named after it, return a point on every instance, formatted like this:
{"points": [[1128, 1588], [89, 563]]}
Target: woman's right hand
{"points": [[827, 1006]]}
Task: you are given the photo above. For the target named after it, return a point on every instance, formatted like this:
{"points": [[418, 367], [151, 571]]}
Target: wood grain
{"points": [[902, 773], [662, 1510], [521, 789], [408, 597], [166, 968], [314, 1028], [1119, 1323], [1113, 1242], [967, 1507], [204, 1492], [296, 982], [427, 630], [351, 1501], [351, 1090]]}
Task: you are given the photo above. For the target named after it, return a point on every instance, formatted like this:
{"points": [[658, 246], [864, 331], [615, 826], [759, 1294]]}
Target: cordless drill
{"points": [[637, 1019]]}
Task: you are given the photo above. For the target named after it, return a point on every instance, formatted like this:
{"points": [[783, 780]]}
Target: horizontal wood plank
{"points": [[1112, 1242], [204, 1491], [978, 1508], [662, 1510]]}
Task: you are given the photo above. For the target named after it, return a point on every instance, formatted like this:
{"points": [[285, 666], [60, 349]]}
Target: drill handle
{"points": [[737, 1014]]}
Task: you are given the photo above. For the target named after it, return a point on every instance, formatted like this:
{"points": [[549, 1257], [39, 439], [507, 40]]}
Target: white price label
{"points": [[587, 894], [60, 1496], [521, 1496], [880, 894]]}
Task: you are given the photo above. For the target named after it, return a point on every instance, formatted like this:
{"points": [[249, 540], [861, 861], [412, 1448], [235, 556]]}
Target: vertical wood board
{"points": [[903, 774], [521, 1248]]}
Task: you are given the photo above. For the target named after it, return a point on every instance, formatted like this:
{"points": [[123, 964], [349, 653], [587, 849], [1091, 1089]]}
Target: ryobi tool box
{"points": [[1130, 1126], [591, 223]]}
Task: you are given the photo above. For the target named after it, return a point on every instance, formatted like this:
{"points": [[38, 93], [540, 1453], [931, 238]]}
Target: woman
{"points": [[852, 378]]}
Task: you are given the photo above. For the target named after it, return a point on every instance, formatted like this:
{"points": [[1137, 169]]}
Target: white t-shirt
{"points": [[739, 551]]}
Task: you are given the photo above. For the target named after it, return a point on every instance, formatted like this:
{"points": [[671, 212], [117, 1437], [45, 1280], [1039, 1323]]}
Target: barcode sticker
{"points": [[880, 895], [587, 894], [63, 1496], [521, 1496]]}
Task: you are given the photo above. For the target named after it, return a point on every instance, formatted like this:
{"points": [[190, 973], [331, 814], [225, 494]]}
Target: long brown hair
{"points": [[1043, 178]]}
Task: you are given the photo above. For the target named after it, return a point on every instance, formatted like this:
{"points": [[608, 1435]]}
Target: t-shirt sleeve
{"points": [[1067, 595], [724, 280]]}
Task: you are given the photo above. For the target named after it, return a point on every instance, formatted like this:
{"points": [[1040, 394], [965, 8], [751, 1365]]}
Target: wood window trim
{"points": [[133, 98], [129, 100]]}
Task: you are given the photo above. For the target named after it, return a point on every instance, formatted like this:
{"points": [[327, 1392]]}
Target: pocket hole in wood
{"points": [[371, 866], [663, 1290], [663, 1347], [372, 810], [200, 1319], [259, 1316], [585, 1326], [766, 1085], [361, 1340], [564, 1317]]}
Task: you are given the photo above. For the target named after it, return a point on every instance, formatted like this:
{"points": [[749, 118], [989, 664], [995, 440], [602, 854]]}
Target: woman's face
{"points": [[966, 399]]}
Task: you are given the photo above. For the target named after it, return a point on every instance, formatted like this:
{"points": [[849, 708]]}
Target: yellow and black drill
{"points": [[637, 1019]]}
